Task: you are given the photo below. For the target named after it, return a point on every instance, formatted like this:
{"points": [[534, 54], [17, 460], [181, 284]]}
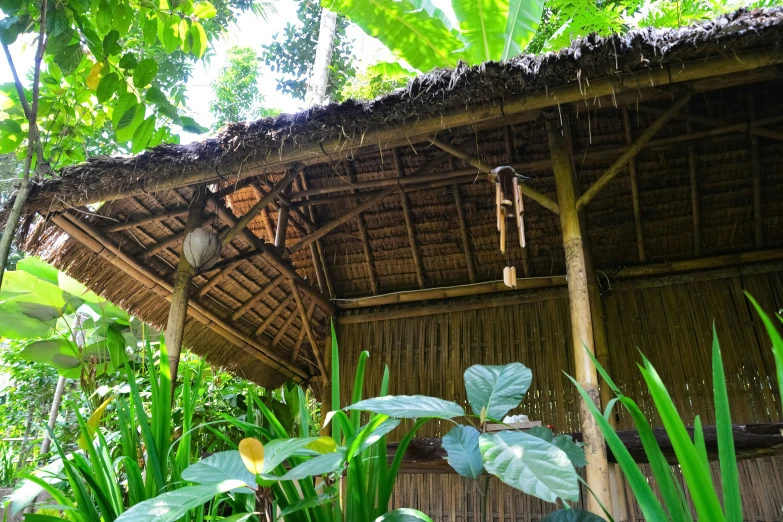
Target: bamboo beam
{"points": [[372, 273], [286, 325], [247, 305], [216, 279], [135, 220], [321, 232], [408, 215], [268, 228], [317, 250], [256, 209], [282, 226], [637, 211], [302, 332], [755, 158], [511, 156], [597, 470], [99, 244], [610, 173], [283, 266], [694, 188], [755, 129], [308, 330], [164, 244], [542, 199], [273, 315], [463, 230]]}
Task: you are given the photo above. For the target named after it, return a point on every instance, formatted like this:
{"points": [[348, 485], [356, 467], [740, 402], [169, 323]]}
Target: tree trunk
{"points": [[318, 84], [53, 413]]}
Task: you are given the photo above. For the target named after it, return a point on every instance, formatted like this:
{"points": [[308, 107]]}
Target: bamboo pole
{"points": [[92, 239], [408, 215], [581, 323], [282, 226], [637, 211], [300, 338], [694, 188], [224, 271], [273, 315], [542, 199], [511, 157], [164, 244], [754, 129], [256, 209], [755, 157], [317, 250], [610, 173], [463, 229], [178, 311], [372, 273], [268, 227], [135, 220], [286, 325], [308, 330], [247, 305], [321, 232]]}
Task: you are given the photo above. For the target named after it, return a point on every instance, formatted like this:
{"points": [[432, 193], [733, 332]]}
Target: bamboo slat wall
{"points": [[670, 323]]}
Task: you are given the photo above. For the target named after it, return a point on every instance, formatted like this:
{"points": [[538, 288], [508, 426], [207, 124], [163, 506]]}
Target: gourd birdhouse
{"points": [[201, 248]]}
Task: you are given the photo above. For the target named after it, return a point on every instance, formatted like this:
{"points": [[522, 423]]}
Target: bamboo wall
{"points": [[667, 319]]}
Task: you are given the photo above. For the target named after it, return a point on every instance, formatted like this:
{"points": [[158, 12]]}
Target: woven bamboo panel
{"points": [[670, 324]]}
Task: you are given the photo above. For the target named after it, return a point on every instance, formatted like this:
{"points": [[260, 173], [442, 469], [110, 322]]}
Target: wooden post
{"points": [[406, 211], [581, 323], [694, 184], [755, 155], [637, 212], [178, 311]]}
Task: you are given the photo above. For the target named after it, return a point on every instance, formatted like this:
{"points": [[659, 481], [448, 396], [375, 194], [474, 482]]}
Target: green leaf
{"points": [[308, 502], [173, 505], [390, 71], [462, 448], [68, 58], [149, 29], [110, 43], [103, 17], [409, 407], [522, 23], [58, 353], [28, 490], [143, 134], [125, 111], [10, 27], [482, 24], [406, 27], [10, 126], [575, 452], [107, 87], [530, 464], [156, 96], [204, 10], [35, 266], [128, 61], [279, 450], [404, 515], [145, 72], [572, 515], [200, 42], [18, 326], [222, 466], [499, 389], [775, 338], [542, 432], [190, 125], [320, 465]]}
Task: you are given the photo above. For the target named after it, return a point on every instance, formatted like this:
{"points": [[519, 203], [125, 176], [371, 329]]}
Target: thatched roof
{"points": [[475, 108]]}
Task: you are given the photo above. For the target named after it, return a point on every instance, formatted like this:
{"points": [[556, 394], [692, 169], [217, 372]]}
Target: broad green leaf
{"points": [[542, 432], [219, 467], [204, 10], [155, 95], [320, 465], [10, 126], [530, 464], [149, 28], [111, 45], [184, 34], [18, 326], [409, 407], [386, 426], [404, 515], [279, 450], [200, 42], [173, 505], [143, 134], [575, 452], [406, 28], [462, 448], [36, 266], [323, 445], [308, 502], [27, 491], [107, 86], [145, 72], [190, 125], [482, 24], [24, 293], [128, 61], [390, 71], [572, 515], [499, 389], [123, 105], [58, 353], [524, 17], [68, 58]]}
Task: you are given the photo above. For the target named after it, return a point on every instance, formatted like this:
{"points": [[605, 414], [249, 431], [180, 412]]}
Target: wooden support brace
{"points": [[463, 230], [542, 199], [164, 244], [302, 332], [316, 249], [273, 315], [135, 220], [224, 271], [247, 305], [227, 265], [408, 215], [637, 210], [362, 224], [283, 329], [321, 232], [629, 153], [308, 329], [282, 226]]}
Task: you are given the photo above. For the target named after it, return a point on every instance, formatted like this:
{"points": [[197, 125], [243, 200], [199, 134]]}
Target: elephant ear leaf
{"points": [[496, 389], [404, 515], [462, 447], [482, 24], [61, 354]]}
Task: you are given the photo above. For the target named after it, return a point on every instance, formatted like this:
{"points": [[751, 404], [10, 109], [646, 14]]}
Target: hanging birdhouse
{"points": [[508, 199], [201, 248]]}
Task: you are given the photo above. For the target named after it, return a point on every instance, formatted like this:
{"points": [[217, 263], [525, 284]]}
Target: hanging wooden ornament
{"points": [[508, 194]]}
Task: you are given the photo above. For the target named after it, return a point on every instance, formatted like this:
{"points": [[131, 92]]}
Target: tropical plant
{"points": [[690, 450]]}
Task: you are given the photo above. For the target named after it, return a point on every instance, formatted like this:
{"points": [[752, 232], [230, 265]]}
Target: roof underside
{"points": [[722, 161]]}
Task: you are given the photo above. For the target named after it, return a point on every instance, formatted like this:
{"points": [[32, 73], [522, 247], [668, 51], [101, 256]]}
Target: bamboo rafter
{"points": [[135, 220], [408, 215], [273, 315], [362, 224], [308, 329]]}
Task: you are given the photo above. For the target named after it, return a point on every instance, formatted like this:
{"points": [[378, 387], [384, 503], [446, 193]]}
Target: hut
{"points": [[651, 181]]}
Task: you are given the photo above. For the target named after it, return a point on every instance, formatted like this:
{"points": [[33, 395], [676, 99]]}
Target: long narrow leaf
{"points": [[775, 338]]}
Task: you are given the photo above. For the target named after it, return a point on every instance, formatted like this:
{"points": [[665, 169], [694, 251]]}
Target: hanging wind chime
{"points": [[508, 198]]}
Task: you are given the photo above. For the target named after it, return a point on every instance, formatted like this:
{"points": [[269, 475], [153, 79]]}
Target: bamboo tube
{"points": [[102, 246], [632, 151], [301, 336], [694, 188], [372, 273], [755, 157], [178, 311], [581, 323], [542, 199], [321, 232], [511, 157], [273, 315], [637, 211], [308, 330], [136, 220], [267, 221], [247, 305], [408, 215], [256, 209], [282, 226]]}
